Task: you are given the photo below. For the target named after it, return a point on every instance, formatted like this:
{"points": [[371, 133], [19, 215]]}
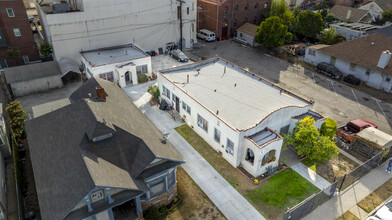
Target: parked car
{"points": [[350, 78], [206, 35], [385, 212], [179, 55], [349, 131], [329, 70], [31, 19]]}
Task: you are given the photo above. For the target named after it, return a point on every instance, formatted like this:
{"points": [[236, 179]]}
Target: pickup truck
{"points": [[349, 131]]}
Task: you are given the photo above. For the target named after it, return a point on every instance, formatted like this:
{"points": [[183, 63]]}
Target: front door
{"points": [[177, 104], [127, 78], [224, 32]]}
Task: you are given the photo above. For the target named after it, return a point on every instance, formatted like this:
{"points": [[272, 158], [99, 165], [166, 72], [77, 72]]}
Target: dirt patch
{"points": [[375, 198], [348, 216], [195, 204], [337, 166]]}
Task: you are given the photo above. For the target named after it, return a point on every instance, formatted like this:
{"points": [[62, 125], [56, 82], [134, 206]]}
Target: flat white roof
{"points": [[111, 55], [238, 97]]}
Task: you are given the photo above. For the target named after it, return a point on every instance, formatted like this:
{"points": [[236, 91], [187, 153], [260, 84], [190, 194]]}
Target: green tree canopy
{"points": [[45, 49], [154, 91], [329, 18], [306, 139], [387, 16], [330, 37], [308, 24], [279, 9], [328, 129], [272, 33], [17, 117]]}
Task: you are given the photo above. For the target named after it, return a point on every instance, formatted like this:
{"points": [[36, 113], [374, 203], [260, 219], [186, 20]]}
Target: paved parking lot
{"points": [[333, 99]]}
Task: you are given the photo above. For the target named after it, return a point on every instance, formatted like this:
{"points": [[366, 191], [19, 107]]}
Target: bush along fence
{"points": [[17, 116], [311, 203]]}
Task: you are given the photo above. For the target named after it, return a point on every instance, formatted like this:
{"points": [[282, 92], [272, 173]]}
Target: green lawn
{"points": [[270, 198]]}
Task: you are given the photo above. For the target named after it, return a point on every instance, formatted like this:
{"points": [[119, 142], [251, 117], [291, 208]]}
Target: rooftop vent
{"points": [[348, 14], [101, 93], [384, 59]]}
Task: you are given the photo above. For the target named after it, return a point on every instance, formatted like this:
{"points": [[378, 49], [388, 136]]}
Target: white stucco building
{"points": [[121, 64], [90, 24], [353, 31], [377, 7], [247, 33], [368, 58], [236, 112]]}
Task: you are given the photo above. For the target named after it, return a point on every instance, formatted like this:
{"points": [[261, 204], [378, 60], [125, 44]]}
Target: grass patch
{"points": [[296, 189], [271, 198], [348, 216], [377, 197]]}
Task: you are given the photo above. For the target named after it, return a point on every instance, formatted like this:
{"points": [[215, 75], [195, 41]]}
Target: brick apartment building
{"points": [[15, 32], [225, 16]]}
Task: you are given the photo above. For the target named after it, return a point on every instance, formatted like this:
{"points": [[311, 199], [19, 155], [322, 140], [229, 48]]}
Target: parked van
{"points": [[206, 35]]}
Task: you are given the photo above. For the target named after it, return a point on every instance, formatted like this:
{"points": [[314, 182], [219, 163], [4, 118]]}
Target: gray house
{"points": [[100, 157]]}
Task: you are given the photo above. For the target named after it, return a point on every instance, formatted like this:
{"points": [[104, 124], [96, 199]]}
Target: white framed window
{"points": [[157, 187], [230, 146], [10, 12], [217, 135], [108, 76], [97, 195], [17, 32], [186, 107], [312, 52], [353, 66], [165, 92], [171, 179], [143, 69], [26, 59], [201, 122]]}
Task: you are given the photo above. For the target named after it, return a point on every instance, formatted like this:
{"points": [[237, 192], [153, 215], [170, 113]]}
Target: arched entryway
{"points": [[250, 156], [128, 78], [269, 157]]}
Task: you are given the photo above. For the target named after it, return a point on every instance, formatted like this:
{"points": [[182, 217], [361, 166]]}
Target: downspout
{"points": [[217, 18]]}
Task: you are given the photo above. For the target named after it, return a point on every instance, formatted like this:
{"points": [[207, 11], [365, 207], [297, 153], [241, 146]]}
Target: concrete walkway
{"points": [[232, 204], [304, 171], [348, 199]]}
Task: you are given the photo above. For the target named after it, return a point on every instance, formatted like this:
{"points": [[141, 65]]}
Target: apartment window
{"points": [[165, 92], [17, 32], [265, 5], [186, 107], [10, 12], [333, 60], [178, 12], [26, 59], [201, 122], [256, 5], [108, 76], [171, 179], [187, 10], [230, 146], [217, 135], [312, 52], [236, 8], [143, 69], [157, 187], [353, 66], [3, 64]]}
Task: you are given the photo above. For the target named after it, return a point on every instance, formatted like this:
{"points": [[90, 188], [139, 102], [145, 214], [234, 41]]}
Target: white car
{"points": [[385, 212], [206, 35]]}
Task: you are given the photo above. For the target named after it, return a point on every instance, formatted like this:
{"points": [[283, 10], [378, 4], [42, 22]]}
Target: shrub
{"points": [[328, 129], [152, 213], [142, 78], [17, 117], [154, 91], [45, 49]]}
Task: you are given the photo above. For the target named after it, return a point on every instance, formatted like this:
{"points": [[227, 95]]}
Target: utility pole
{"points": [[180, 15]]}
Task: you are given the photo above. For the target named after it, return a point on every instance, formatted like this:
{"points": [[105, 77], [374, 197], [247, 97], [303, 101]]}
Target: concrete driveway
{"points": [[333, 99]]}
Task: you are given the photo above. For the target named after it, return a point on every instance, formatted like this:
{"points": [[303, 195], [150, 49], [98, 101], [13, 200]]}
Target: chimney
{"points": [[187, 78], [384, 59], [100, 93], [348, 14], [224, 71]]}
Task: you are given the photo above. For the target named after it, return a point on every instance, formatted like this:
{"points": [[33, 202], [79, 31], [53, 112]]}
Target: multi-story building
{"points": [[15, 32], [81, 25], [224, 17]]}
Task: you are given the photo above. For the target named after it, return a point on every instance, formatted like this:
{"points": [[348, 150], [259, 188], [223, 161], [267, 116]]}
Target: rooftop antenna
{"points": [[198, 71]]}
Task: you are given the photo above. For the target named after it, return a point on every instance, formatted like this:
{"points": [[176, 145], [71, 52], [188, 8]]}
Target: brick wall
{"points": [[25, 43], [231, 14]]}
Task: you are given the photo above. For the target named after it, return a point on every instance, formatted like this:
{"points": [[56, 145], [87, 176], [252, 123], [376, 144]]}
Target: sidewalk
{"points": [[347, 199], [231, 203]]}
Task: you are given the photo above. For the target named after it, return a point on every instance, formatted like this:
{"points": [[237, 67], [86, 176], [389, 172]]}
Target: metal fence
{"points": [[359, 172], [311, 203]]}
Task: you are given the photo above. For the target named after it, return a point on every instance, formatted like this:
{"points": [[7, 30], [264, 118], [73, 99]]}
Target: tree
{"points": [[45, 49], [154, 91], [17, 117], [387, 16], [330, 37], [12, 54], [306, 139], [328, 129], [272, 33], [309, 24], [329, 18], [279, 9], [324, 13]]}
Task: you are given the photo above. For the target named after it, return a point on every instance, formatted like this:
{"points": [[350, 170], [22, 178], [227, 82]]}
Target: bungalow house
{"points": [[377, 7], [100, 157], [352, 15], [247, 33], [236, 112], [121, 64], [368, 58]]}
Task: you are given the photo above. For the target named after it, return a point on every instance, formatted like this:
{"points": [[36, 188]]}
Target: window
{"points": [[3, 64], [256, 5], [353, 66], [186, 107], [333, 60], [157, 187], [97, 195], [201, 122], [236, 8], [10, 12], [388, 79], [178, 12], [265, 5], [241, 34], [26, 59], [250, 156], [165, 92], [143, 69], [217, 135], [312, 52], [246, 7], [108, 76], [171, 179], [367, 72], [225, 12], [187, 10], [17, 32], [230, 146], [269, 157]]}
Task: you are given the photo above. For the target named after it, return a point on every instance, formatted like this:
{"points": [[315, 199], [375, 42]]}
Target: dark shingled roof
{"points": [[357, 15], [365, 51], [67, 164]]}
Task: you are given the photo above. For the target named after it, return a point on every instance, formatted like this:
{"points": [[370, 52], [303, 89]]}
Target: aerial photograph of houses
{"points": [[196, 109]]}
